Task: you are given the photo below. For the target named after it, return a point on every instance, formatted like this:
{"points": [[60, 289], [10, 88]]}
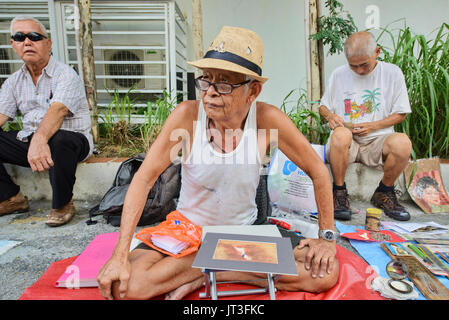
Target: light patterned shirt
{"points": [[57, 83]]}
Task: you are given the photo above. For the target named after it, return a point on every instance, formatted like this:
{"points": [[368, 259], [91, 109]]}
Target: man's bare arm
{"points": [[3, 119], [52, 121], [39, 154], [320, 257], [156, 161], [290, 141]]}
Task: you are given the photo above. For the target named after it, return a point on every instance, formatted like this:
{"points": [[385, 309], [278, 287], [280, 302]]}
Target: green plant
{"points": [[122, 137], [425, 64], [117, 116], [122, 105], [301, 114], [334, 28], [155, 116], [14, 125]]}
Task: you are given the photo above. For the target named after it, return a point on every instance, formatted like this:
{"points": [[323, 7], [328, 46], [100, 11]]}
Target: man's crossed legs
{"points": [[153, 274], [67, 149]]}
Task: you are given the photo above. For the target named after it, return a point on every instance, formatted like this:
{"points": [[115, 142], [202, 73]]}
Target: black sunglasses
{"points": [[220, 87], [33, 36]]}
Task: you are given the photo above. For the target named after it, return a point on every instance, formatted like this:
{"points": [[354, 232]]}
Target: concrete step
{"points": [[93, 179], [95, 176]]}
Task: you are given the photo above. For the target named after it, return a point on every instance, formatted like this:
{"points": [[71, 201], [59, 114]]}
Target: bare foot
{"points": [[185, 289]]}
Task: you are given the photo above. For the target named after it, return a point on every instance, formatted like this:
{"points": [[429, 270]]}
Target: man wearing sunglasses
{"points": [[225, 138], [55, 136]]}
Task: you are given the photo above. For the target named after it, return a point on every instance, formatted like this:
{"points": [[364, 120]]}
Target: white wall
{"points": [[280, 24], [284, 61], [423, 17]]}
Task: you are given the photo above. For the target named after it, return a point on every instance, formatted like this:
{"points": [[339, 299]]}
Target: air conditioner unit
{"points": [[134, 69]]}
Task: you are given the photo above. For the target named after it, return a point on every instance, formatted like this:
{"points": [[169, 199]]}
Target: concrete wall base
{"points": [[93, 179]]}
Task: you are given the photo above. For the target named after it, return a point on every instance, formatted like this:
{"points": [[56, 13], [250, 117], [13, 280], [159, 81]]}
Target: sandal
{"points": [[59, 217]]}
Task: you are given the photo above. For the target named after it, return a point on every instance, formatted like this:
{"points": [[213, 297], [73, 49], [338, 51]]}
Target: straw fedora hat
{"points": [[235, 49]]}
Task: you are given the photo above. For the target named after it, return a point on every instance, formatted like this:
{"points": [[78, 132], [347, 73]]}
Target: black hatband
{"points": [[231, 57]]}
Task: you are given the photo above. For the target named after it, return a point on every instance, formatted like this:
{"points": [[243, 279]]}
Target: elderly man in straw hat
{"points": [[225, 134]]}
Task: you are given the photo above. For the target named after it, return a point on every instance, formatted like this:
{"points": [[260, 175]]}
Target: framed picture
{"points": [[241, 252], [425, 185]]}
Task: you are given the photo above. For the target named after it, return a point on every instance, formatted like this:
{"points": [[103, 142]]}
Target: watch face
{"points": [[328, 235]]}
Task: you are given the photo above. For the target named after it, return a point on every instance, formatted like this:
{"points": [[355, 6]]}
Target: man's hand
{"points": [[334, 121], [39, 155], [114, 270], [320, 257], [3, 119], [364, 128]]}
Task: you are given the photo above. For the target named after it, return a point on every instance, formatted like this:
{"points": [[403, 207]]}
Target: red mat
{"points": [[355, 275]]}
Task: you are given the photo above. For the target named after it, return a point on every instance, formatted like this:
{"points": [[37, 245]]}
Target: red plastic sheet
{"points": [[353, 284]]}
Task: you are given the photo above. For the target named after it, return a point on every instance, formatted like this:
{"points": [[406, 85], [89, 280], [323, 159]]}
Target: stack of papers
{"points": [[409, 227], [168, 243], [422, 232]]}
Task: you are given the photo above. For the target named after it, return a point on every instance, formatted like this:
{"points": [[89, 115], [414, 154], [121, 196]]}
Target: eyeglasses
{"points": [[33, 36], [220, 87]]}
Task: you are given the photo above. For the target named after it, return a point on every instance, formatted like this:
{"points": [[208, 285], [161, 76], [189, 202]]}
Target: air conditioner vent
{"points": [[125, 69]]}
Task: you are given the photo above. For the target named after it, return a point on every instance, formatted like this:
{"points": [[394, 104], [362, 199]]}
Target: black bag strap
{"points": [[92, 213]]}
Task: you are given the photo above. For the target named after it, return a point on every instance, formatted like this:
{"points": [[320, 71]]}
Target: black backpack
{"points": [[161, 198], [160, 201]]}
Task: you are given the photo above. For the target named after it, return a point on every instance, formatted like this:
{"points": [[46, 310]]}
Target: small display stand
{"points": [[248, 253]]}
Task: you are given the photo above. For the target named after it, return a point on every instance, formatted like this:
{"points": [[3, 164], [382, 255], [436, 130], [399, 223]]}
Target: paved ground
{"points": [[41, 245]]}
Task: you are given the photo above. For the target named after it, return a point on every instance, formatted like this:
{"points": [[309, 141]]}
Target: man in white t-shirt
{"points": [[362, 103]]}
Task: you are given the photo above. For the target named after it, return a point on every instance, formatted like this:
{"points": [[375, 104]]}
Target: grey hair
{"points": [[247, 77], [360, 46], [251, 79], [28, 18]]}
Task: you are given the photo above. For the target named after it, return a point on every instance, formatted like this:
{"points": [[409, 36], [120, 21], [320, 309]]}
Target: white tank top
{"points": [[220, 188]]}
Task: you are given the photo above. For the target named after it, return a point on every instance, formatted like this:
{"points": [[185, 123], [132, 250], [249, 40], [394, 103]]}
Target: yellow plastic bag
{"points": [[178, 227]]}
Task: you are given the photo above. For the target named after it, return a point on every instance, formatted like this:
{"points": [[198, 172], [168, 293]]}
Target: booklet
{"points": [[168, 243]]}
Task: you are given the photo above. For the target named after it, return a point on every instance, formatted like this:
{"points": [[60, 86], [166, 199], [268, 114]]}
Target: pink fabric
{"points": [[90, 261]]}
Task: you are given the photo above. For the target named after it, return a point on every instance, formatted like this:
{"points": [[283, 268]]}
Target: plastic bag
{"points": [[290, 188], [176, 226]]}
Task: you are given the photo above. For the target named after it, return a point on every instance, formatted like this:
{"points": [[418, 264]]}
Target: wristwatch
{"points": [[329, 235]]}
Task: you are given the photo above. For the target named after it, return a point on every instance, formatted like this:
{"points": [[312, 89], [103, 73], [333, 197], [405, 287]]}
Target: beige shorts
{"points": [[369, 154]]}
